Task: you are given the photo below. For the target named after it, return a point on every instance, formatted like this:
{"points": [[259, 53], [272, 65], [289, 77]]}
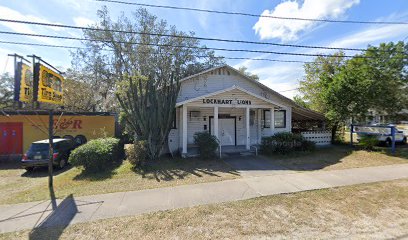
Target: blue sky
{"points": [[278, 76]]}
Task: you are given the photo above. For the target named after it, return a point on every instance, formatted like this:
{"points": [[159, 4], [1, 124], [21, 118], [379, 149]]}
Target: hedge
{"points": [[207, 144], [285, 142], [136, 153], [97, 155]]}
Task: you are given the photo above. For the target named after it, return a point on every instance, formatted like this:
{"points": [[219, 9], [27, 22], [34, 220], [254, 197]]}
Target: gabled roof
{"points": [[227, 90], [294, 105]]}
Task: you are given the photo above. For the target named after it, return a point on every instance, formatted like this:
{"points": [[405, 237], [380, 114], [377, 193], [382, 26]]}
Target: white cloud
{"points": [[371, 35], [288, 30], [83, 22], [9, 13], [6, 62], [281, 77]]}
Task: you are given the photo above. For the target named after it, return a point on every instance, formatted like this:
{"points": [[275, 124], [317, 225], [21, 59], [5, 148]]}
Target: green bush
{"points": [[207, 144], [368, 142], [136, 153], [97, 155], [285, 142], [307, 146]]}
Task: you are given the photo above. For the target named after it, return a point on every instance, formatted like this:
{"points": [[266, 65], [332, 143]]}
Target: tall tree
{"points": [[320, 75], [144, 69], [244, 71], [79, 94], [6, 90], [386, 68], [301, 102], [344, 89]]}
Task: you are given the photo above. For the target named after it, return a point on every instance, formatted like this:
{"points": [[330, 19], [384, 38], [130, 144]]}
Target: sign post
{"points": [[51, 158], [48, 87], [393, 140]]}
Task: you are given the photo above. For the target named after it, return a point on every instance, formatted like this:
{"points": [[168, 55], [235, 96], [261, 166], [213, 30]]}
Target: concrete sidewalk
{"points": [[35, 215]]}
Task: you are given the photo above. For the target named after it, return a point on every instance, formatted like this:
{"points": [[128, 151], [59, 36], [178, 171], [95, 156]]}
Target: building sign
{"points": [[26, 83], [50, 85], [68, 124], [226, 101], [23, 83]]}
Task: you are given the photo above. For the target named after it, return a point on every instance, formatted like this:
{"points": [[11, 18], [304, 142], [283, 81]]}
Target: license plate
{"points": [[37, 157]]}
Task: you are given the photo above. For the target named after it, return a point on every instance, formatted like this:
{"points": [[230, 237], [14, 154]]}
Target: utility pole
{"points": [[51, 158], [36, 67]]}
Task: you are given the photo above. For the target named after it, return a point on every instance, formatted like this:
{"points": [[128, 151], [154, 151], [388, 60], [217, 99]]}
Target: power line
{"points": [[181, 46], [253, 15], [199, 56], [185, 37]]}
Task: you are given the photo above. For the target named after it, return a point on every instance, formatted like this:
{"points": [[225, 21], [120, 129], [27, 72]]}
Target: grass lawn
{"points": [[339, 157], [20, 186], [367, 211]]}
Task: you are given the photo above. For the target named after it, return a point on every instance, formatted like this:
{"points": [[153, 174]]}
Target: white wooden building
{"points": [[239, 111]]}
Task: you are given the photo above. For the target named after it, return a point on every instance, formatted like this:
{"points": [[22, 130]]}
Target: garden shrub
{"points": [[307, 146], [97, 155], [368, 142], [136, 153], [207, 144], [285, 142]]}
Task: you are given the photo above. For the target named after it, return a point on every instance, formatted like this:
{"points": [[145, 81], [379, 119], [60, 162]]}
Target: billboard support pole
{"points": [[36, 104]]}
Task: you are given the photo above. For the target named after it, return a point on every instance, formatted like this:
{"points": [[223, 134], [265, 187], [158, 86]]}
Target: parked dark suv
{"points": [[38, 153]]}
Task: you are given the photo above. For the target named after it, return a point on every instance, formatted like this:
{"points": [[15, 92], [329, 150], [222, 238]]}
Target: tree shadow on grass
{"points": [[323, 157], [401, 151], [40, 172], [167, 169], [101, 175]]}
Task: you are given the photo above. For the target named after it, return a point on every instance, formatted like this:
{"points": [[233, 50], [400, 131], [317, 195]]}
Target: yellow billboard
{"points": [[26, 83], [50, 85]]}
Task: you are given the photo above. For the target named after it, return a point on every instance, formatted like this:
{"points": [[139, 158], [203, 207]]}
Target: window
{"points": [[280, 119], [266, 119], [251, 118]]}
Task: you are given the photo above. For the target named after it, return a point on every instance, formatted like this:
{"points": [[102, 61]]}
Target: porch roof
{"points": [[227, 90]]}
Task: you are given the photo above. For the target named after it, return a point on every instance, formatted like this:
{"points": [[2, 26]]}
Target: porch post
{"points": [[216, 122], [272, 126], [184, 130], [259, 116], [289, 119], [248, 136]]}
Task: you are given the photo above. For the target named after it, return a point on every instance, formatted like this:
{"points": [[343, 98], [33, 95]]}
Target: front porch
{"points": [[239, 119]]}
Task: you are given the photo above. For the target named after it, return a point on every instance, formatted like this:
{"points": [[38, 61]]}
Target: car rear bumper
{"points": [[35, 163]]}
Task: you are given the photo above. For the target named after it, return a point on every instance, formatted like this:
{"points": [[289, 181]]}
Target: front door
{"points": [[11, 139], [226, 130]]}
